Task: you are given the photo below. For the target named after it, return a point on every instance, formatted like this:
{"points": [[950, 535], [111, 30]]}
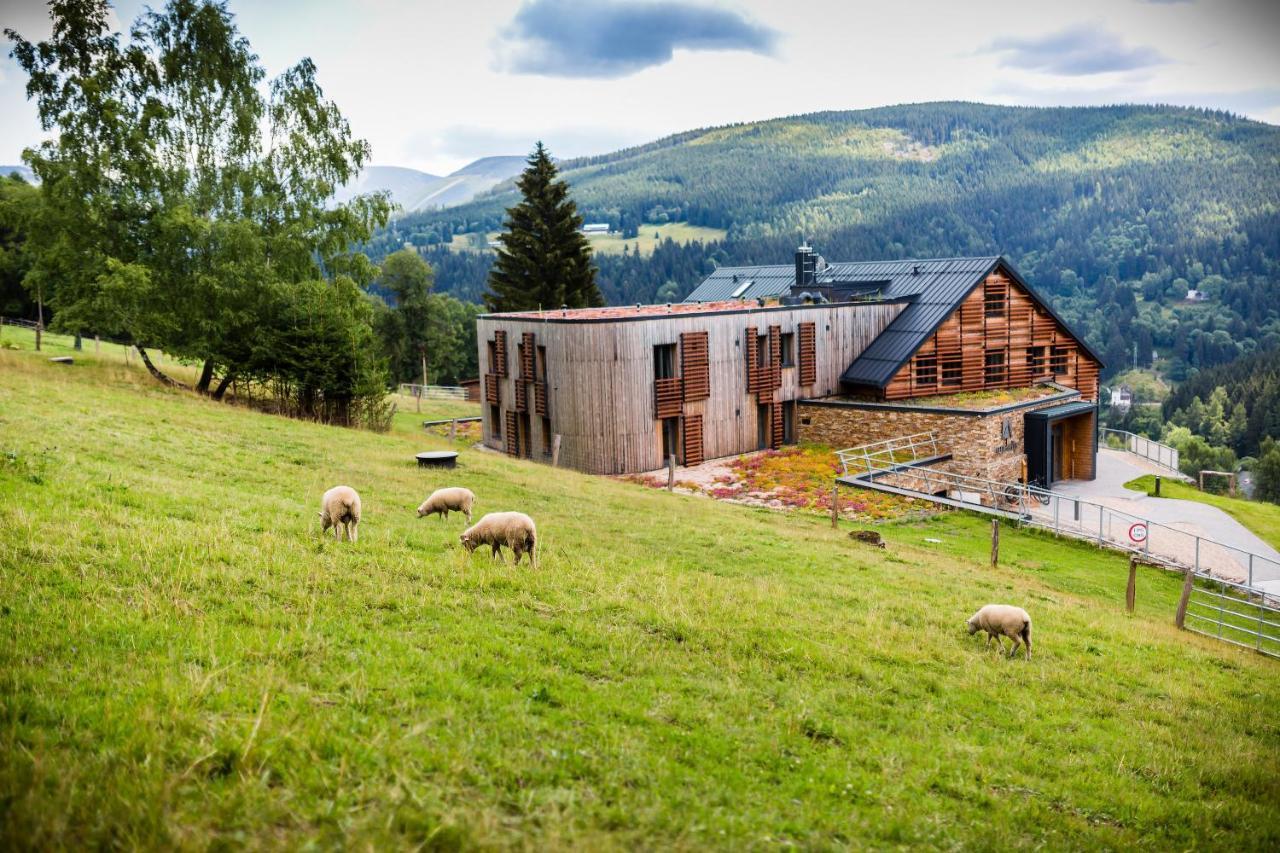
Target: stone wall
{"points": [[977, 442]]}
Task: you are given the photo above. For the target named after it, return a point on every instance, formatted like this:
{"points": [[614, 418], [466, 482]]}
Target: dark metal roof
{"points": [[934, 288], [1065, 410]]}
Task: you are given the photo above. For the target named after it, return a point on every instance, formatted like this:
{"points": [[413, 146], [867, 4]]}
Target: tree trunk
{"points": [[154, 371], [221, 390], [206, 376]]}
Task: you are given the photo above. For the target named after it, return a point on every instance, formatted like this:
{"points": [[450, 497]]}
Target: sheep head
{"points": [[467, 542]]}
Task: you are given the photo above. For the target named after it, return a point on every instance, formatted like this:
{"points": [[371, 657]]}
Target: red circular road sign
{"points": [[1138, 532]]}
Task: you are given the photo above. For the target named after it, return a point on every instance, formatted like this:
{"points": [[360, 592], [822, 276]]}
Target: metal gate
{"points": [[1235, 614]]}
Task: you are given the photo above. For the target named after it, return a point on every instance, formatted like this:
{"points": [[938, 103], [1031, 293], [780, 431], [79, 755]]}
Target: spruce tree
{"points": [[544, 260]]}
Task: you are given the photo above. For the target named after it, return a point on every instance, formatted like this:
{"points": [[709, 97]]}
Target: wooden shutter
{"points": [[808, 354], [693, 440], [491, 388], [752, 349], [667, 398], [775, 356], [540, 399], [513, 434], [526, 356], [522, 397], [694, 366], [775, 425], [500, 350]]}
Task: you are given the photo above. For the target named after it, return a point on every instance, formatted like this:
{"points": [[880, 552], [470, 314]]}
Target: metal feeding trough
{"points": [[438, 459]]}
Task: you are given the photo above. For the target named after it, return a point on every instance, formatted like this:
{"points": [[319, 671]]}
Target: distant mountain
{"points": [[1114, 212], [417, 191], [26, 173]]}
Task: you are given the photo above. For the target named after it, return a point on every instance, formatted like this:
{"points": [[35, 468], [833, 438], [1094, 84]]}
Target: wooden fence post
{"points": [[835, 506], [1181, 615], [995, 542], [453, 429], [97, 345], [671, 472], [555, 450], [1131, 590]]}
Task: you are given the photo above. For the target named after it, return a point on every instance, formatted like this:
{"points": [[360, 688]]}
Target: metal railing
{"points": [[1234, 614], [1139, 445], [884, 455], [433, 392]]}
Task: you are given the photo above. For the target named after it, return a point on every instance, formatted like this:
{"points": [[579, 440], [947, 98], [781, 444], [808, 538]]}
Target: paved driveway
{"points": [[1115, 468]]}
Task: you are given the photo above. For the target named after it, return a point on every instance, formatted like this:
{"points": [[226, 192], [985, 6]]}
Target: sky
{"points": [[434, 85]]}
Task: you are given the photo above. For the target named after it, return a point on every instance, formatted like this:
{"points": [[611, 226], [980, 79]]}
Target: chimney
{"points": [[805, 263]]}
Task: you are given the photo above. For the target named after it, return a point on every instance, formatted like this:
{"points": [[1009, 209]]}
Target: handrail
{"points": [[1139, 445]]}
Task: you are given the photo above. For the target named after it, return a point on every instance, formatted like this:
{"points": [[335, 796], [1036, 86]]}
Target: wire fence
{"points": [[1139, 445], [1234, 614]]}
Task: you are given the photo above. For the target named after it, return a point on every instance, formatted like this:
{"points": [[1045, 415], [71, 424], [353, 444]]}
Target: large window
{"points": [[495, 422], [1035, 360], [926, 371], [995, 367], [952, 372], [1058, 360], [788, 350], [664, 361], [997, 297]]}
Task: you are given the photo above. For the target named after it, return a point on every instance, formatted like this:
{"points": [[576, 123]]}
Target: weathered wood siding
{"points": [[998, 320], [600, 382]]}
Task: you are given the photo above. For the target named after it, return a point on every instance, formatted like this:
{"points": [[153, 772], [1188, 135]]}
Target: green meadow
{"points": [[186, 662]]}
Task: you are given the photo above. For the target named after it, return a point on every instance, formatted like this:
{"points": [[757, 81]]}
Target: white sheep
{"points": [[442, 501], [512, 529], [340, 509], [1003, 620]]}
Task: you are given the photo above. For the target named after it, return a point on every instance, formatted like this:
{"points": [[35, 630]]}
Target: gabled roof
{"points": [[934, 287]]}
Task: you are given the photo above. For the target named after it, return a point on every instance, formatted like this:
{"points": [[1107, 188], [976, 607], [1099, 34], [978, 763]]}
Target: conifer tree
{"points": [[544, 260]]}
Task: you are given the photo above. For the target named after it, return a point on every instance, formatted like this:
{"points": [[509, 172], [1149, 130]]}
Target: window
{"points": [[762, 350], [952, 372], [1035, 360], [540, 369], [996, 297], [664, 361], [495, 420], [788, 349], [926, 371], [670, 438], [1057, 360], [546, 436], [493, 357], [995, 368]]}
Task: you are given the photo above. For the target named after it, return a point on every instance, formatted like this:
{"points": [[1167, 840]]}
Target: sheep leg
{"points": [[999, 642], [497, 551], [1013, 646], [353, 531], [337, 531], [519, 552]]}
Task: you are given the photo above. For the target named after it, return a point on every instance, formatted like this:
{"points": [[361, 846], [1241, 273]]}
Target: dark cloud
{"points": [[1075, 51], [614, 38]]}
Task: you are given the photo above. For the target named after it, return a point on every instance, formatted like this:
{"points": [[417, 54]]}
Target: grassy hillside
{"points": [[184, 661], [650, 236]]}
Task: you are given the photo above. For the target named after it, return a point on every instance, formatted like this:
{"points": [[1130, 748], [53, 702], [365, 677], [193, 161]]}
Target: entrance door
{"points": [[670, 438]]}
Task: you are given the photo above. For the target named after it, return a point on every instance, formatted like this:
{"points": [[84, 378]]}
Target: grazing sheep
{"points": [[442, 500], [513, 529], [1003, 620], [340, 509]]}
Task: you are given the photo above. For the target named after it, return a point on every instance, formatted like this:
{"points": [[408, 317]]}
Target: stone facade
{"points": [[982, 444]]}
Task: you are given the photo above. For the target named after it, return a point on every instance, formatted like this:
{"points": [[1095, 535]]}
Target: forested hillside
{"points": [[1122, 209]]}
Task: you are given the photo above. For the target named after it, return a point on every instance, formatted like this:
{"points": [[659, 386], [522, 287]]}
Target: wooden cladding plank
{"points": [[668, 398], [491, 388], [695, 366], [540, 398], [527, 349], [500, 351], [693, 451], [752, 350], [522, 397], [512, 434]]}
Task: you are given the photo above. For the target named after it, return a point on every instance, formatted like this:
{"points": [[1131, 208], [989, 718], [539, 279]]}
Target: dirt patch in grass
{"points": [[796, 478]]}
